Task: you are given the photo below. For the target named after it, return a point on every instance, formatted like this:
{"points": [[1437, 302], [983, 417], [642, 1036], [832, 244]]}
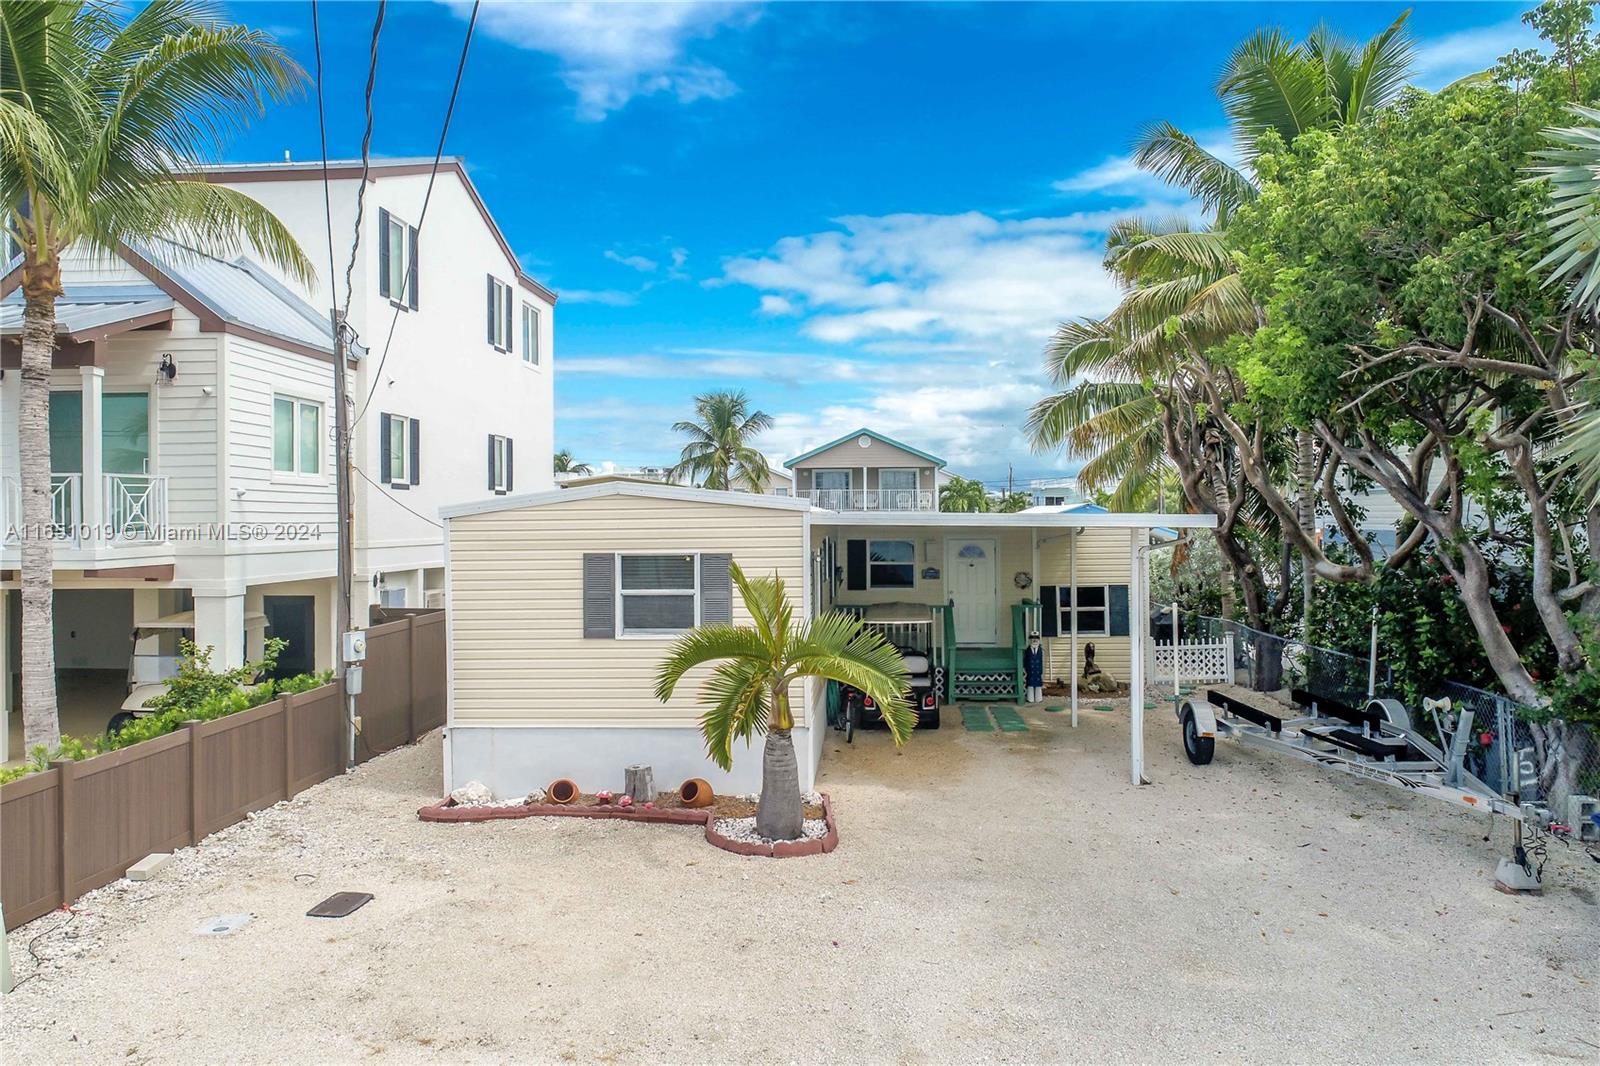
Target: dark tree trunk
{"points": [[40, 724]]}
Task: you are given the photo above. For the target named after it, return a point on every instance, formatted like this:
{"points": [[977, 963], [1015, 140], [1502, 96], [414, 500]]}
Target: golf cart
{"points": [[152, 661]]}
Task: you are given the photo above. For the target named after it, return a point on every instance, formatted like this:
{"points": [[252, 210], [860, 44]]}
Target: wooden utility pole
{"points": [[346, 550]]}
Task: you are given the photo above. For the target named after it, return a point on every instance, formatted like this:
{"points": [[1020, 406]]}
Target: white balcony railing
{"points": [[873, 499], [136, 506], [66, 507]]}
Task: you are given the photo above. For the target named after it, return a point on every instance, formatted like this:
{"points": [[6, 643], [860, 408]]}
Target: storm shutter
{"points": [[1049, 612], [416, 268], [716, 589], [510, 480], [492, 485], [383, 253], [599, 595], [386, 457], [416, 450], [1118, 626], [489, 318], [855, 564]]}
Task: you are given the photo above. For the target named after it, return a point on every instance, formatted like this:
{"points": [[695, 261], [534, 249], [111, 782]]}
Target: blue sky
{"points": [[861, 214]]}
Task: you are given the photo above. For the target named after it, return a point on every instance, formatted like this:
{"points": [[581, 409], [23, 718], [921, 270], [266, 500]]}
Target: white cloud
{"points": [[1119, 175], [637, 262], [943, 277], [1444, 59], [776, 305], [608, 297], [611, 53]]}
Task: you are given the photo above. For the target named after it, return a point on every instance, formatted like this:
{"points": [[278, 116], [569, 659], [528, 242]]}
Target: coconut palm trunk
{"points": [[40, 722]]}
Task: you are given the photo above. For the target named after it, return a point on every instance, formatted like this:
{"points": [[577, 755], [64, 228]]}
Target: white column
{"points": [[1138, 622], [93, 453], [219, 624], [1072, 582]]}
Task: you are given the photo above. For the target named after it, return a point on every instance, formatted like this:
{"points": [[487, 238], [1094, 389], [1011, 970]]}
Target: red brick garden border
{"points": [[447, 811]]}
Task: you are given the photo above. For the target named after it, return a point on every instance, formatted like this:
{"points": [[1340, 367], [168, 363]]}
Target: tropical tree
{"points": [[719, 451], [566, 464], [748, 690], [100, 117], [1012, 502], [964, 494], [1137, 388]]}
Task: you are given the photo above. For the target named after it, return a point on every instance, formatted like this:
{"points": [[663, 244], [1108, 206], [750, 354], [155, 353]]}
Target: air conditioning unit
{"points": [[434, 598]]}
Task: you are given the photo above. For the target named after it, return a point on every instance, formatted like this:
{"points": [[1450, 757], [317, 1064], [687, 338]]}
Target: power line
{"points": [[392, 498], [405, 283], [366, 161]]}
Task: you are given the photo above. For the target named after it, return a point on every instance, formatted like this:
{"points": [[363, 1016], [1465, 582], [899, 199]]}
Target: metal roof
{"points": [[875, 435], [239, 292], [91, 309]]}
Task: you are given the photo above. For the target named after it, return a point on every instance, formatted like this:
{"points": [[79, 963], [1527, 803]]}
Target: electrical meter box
{"points": [[355, 646]]}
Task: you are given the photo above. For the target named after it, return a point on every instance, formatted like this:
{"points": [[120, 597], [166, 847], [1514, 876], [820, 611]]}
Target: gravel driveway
{"points": [[996, 897]]}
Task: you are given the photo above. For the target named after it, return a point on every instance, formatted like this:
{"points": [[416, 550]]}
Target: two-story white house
{"points": [[191, 415]]}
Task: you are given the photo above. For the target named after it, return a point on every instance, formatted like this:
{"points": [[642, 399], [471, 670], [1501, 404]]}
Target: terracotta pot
{"points": [[562, 791], [695, 793]]}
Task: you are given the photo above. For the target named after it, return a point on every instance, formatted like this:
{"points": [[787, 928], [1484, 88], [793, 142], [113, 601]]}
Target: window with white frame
{"points": [[397, 260], [399, 443], [499, 312], [499, 464], [891, 564], [296, 436], [657, 595], [530, 334], [1093, 609]]}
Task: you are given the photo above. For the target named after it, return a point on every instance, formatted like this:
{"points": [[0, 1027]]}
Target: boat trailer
{"points": [[1374, 742]]}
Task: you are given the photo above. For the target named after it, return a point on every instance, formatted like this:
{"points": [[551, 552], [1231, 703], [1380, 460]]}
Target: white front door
{"points": [[969, 580]]}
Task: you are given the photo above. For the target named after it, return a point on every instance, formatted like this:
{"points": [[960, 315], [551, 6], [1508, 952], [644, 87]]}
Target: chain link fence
{"points": [[1552, 765]]}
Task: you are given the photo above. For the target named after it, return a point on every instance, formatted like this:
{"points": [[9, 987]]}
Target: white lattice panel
{"points": [[1197, 660]]}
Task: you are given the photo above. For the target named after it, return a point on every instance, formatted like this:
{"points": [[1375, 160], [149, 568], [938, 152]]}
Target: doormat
{"points": [[976, 720], [1009, 720], [340, 905]]}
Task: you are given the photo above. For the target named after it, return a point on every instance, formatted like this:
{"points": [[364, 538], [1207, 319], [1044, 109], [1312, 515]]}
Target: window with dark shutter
{"points": [[855, 564], [385, 459], [510, 470], [490, 317], [416, 268], [384, 252], [1119, 610], [416, 451], [1049, 612]]}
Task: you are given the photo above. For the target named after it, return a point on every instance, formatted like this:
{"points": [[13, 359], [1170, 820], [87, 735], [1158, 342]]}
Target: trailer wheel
{"points": [[1199, 749]]}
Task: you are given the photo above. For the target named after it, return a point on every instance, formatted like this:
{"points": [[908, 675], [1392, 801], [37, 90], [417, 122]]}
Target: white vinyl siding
{"points": [[518, 654], [258, 377], [1102, 561]]}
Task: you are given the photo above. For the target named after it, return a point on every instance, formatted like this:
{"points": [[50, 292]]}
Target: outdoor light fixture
{"points": [[168, 369]]}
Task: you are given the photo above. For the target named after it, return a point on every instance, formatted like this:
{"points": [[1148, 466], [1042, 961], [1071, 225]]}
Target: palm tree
{"points": [[748, 690], [964, 494], [99, 117], [1573, 219], [719, 449], [566, 464]]}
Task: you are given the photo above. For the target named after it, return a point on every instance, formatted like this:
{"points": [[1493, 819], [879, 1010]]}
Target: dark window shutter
{"points": [[492, 485], [508, 334], [510, 470], [416, 269], [1049, 612], [1118, 623], [855, 564], [490, 317], [385, 455], [383, 253], [416, 450], [599, 595], [716, 589]]}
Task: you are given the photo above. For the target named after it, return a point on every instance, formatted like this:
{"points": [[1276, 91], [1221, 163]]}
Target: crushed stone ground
{"points": [[994, 897]]}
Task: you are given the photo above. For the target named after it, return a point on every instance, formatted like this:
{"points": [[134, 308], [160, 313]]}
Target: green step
{"points": [[976, 720], [1055, 710], [1009, 720]]}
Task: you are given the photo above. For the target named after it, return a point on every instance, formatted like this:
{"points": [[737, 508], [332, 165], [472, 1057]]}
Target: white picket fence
{"points": [[1191, 661]]}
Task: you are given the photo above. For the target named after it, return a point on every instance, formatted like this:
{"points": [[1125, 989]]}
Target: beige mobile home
{"points": [[562, 605]]}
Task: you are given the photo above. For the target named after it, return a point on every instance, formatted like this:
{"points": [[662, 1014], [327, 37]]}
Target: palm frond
{"points": [[703, 645], [737, 701], [1176, 158], [1573, 216]]}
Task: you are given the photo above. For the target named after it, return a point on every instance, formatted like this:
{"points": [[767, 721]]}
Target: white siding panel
{"points": [[518, 651], [1102, 560], [256, 373]]}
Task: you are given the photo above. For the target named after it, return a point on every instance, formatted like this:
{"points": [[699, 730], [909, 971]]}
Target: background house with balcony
{"points": [[190, 428], [868, 471]]}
